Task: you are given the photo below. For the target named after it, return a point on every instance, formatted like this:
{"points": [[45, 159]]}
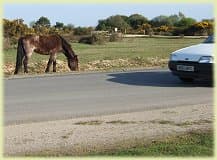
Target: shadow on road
{"points": [[159, 79]]}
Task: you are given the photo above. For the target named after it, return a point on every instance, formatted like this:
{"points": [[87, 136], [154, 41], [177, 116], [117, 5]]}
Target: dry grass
{"points": [[94, 122], [186, 123], [121, 122]]}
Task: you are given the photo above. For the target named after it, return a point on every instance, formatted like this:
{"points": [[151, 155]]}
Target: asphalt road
{"points": [[46, 98]]}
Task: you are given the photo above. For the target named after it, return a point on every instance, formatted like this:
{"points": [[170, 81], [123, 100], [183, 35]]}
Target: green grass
{"points": [[138, 51], [131, 48], [191, 144]]}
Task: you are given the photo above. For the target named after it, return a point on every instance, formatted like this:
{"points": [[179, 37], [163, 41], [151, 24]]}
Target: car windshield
{"points": [[210, 39]]}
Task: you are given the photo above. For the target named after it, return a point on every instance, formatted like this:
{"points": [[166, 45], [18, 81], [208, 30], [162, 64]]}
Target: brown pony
{"points": [[45, 45]]}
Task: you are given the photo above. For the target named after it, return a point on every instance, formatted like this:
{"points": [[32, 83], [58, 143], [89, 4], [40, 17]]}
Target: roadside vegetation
{"points": [[172, 25], [192, 144]]}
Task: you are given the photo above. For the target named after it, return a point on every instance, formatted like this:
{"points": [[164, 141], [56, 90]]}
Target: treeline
{"points": [[160, 25], [13, 29], [17, 28], [177, 24]]}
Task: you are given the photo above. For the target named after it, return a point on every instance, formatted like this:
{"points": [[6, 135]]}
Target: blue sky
{"points": [[89, 14]]}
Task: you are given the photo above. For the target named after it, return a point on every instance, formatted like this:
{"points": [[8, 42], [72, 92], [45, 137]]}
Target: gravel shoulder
{"points": [[81, 136]]}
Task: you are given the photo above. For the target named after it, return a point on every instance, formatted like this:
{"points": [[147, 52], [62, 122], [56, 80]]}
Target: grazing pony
{"points": [[45, 45]]}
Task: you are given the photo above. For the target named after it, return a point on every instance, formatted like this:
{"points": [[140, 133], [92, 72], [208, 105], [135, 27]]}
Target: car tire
{"points": [[184, 79]]}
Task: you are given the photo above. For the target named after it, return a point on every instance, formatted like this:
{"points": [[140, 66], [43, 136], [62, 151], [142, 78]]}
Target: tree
{"points": [[185, 22], [136, 20], [43, 21], [181, 15], [117, 21], [159, 21], [171, 20], [59, 25], [42, 26], [102, 25]]}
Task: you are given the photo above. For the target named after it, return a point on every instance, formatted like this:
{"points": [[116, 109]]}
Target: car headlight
{"points": [[173, 57], [206, 59]]}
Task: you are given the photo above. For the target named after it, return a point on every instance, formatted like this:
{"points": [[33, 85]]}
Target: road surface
{"points": [[34, 99]]}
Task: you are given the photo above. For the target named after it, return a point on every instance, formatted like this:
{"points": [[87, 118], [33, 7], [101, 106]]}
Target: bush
{"points": [[9, 43], [178, 31], [83, 30], [93, 39], [6, 44], [70, 37], [115, 37], [85, 40]]}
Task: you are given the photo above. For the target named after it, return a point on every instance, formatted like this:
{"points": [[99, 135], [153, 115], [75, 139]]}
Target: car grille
{"points": [[187, 62]]}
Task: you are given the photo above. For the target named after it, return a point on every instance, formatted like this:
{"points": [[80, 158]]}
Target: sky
{"points": [[89, 14]]}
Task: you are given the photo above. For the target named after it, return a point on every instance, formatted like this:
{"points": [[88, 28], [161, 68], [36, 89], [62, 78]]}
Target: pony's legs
{"points": [[29, 51], [52, 59], [54, 62], [25, 64], [54, 65], [48, 65]]}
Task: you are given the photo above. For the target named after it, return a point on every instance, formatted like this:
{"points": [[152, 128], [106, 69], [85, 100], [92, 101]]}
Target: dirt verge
{"points": [[82, 136], [97, 65]]}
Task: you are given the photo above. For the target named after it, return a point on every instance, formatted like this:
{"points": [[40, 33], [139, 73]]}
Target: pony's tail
{"points": [[20, 55]]}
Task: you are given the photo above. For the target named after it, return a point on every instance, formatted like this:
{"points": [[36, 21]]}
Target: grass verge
{"points": [[197, 143], [192, 144]]}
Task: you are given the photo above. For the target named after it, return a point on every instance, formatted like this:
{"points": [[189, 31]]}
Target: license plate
{"points": [[185, 68]]}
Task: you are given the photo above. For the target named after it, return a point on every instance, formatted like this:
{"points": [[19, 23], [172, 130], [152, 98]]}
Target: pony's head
{"points": [[73, 63]]}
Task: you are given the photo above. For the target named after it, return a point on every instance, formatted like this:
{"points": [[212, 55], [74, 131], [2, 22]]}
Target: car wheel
{"points": [[184, 79]]}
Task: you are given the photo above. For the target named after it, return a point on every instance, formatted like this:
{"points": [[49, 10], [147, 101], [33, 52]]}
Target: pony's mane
{"points": [[66, 47], [64, 41]]}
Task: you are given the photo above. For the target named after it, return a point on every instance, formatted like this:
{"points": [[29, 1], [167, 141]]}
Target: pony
{"points": [[45, 45]]}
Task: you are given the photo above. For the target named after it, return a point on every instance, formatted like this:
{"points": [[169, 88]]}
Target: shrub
{"points": [[115, 37], [93, 39], [6, 44], [70, 37], [83, 30], [9, 43]]}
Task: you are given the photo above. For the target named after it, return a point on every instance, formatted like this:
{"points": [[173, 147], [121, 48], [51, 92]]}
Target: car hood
{"points": [[193, 53]]}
